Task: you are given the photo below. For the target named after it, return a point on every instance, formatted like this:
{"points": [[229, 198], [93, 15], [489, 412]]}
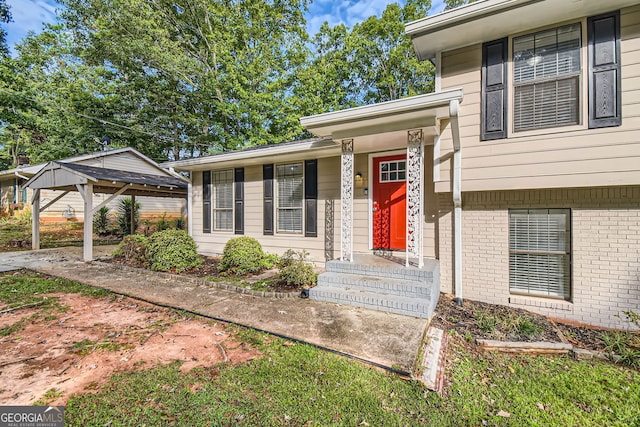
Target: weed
{"points": [[6, 331], [527, 327], [48, 397], [486, 322]]}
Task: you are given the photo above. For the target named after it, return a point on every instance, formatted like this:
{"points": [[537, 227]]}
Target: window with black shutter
{"points": [[494, 90]]}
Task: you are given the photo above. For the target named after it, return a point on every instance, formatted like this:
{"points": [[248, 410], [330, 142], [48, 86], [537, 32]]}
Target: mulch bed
{"points": [[209, 268], [467, 318]]}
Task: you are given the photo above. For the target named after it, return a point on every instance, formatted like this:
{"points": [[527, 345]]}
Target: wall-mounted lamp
{"points": [[358, 175]]}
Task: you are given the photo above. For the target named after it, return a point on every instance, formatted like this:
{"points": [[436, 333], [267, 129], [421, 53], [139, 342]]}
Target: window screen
{"points": [[290, 189], [547, 78], [223, 200], [539, 252]]}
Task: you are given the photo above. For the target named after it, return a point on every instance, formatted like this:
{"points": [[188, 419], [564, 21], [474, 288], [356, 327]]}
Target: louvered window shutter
{"points": [[267, 177], [311, 198], [540, 252], [206, 202], [494, 90], [603, 35], [239, 200]]}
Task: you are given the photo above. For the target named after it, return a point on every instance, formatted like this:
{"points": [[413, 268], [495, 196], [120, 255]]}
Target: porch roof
{"points": [[487, 20], [65, 177], [385, 118]]}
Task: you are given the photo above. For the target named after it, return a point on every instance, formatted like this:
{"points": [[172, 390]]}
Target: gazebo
{"points": [[90, 180]]}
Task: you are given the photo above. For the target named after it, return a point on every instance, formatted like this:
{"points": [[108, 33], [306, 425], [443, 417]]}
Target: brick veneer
{"points": [[605, 250]]}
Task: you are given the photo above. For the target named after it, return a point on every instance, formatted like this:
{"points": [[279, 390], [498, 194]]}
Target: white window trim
{"points": [[583, 112], [569, 252], [213, 203], [277, 200]]}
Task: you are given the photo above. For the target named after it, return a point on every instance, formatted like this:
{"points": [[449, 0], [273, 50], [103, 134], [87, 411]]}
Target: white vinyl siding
{"points": [[546, 78], [539, 252], [289, 197], [222, 200]]}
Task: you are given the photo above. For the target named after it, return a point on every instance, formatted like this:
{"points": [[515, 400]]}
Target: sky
{"points": [[30, 15]]}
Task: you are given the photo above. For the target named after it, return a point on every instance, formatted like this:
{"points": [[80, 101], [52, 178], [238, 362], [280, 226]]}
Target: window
{"points": [[393, 171], [223, 200], [539, 252], [546, 78], [289, 199], [543, 81]]}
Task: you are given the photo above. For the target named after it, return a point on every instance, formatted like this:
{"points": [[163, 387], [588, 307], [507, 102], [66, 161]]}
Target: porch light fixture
{"points": [[358, 175]]}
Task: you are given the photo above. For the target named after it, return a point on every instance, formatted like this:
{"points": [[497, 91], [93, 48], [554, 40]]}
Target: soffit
{"points": [[487, 20]]}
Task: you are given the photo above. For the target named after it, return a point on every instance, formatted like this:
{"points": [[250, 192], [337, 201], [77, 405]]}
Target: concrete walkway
{"points": [[384, 339]]}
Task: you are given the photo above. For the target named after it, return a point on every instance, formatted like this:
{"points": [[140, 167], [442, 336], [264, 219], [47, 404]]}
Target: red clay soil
{"points": [[118, 334]]}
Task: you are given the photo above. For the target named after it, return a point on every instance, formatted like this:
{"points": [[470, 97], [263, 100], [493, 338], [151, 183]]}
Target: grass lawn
{"points": [[296, 384]]}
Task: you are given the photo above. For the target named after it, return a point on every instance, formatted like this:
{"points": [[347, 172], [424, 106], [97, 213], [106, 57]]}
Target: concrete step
{"points": [[376, 284], [408, 306], [429, 274]]}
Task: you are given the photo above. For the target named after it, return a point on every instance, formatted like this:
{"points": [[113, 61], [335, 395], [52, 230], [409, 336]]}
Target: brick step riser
{"points": [[417, 309], [418, 290], [390, 273]]}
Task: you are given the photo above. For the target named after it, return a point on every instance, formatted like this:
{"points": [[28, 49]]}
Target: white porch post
{"points": [[346, 196], [415, 197], [35, 220], [86, 191]]}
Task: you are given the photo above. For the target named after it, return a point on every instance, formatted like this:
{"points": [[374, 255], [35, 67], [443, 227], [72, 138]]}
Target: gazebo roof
{"points": [[65, 177]]}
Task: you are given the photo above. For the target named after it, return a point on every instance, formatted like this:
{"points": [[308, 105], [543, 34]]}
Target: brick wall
{"points": [[605, 250]]}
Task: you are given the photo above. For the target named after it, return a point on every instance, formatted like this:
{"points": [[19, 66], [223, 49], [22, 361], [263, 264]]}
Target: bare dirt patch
{"points": [[79, 349]]}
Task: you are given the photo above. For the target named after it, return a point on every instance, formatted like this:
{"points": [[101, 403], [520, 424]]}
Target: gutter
{"points": [[457, 200], [16, 173]]}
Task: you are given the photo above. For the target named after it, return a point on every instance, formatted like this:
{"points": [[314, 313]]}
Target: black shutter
{"points": [[603, 35], [267, 177], [494, 90], [311, 198], [238, 202], [206, 202]]}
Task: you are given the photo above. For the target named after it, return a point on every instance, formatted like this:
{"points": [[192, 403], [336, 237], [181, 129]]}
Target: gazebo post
{"points": [[35, 220], [87, 195], [133, 214]]}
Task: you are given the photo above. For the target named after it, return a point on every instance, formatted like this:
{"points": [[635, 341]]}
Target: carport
{"points": [[90, 180]]}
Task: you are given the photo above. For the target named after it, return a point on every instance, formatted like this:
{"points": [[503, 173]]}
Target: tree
{"points": [[5, 17], [452, 4]]}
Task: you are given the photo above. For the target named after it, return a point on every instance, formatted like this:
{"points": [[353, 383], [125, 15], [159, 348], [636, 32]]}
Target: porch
{"points": [[381, 282], [394, 204]]}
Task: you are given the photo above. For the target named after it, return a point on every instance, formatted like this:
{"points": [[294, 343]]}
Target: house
{"points": [[516, 182], [16, 196]]}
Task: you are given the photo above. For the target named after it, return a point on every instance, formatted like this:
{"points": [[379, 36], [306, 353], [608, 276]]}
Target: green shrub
{"points": [[295, 271], [624, 346], [180, 223], [244, 255], [172, 250], [124, 216], [101, 221], [133, 248], [163, 223]]}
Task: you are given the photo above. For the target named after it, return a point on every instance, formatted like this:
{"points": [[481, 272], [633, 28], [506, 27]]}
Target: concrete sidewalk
{"points": [[384, 339]]}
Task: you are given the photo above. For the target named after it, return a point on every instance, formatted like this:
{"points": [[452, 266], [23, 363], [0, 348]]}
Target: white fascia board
{"points": [[468, 12], [240, 155], [322, 124]]}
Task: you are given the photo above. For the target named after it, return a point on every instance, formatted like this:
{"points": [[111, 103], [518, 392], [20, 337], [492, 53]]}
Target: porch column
{"points": [[35, 220], [415, 197], [346, 198]]}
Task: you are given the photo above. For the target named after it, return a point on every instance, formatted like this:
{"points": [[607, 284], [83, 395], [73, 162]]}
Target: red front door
{"points": [[390, 202]]}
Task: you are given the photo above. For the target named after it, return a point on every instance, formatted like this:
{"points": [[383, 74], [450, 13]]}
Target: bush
{"points": [[244, 255], [295, 271], [163, 223], [133, 248], [124, 215], [180, 223], [101, 221], [172, 250]]}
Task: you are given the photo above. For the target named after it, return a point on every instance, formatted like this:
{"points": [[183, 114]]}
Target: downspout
{"points": [[15, 191], [457, 201], [20, 176]]}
